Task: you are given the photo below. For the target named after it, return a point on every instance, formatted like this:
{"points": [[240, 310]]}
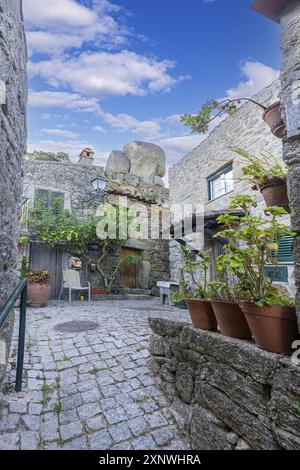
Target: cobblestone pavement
{"points": [[88, 390]]}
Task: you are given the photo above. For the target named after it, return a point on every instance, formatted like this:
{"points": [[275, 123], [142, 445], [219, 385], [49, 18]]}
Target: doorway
{"points": [[129, 271], [49, 259]]}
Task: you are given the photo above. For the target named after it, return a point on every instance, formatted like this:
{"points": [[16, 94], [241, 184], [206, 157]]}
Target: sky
{"points": [[103, 73]]}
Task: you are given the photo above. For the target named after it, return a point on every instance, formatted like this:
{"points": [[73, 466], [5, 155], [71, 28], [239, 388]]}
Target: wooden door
{"points": [[129, 274], [50, 259]]}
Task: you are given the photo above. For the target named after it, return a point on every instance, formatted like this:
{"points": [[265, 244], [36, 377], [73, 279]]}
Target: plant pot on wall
{"points": [[99, 291], [272, 117], [202, 314], [275, 193], [274, 328], [231, 320]]}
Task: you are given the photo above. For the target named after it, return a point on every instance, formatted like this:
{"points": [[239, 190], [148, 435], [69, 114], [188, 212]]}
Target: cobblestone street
{"points": [[88, 390]]}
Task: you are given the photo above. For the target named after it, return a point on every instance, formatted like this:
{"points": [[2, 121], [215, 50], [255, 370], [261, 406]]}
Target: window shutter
{"points": [[285, 251]]}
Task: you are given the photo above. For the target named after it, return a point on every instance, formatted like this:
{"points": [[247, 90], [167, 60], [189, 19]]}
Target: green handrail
{"points": [[21, 289]]}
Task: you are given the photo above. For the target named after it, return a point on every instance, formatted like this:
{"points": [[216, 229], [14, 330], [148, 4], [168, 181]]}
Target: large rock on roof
{"points": [[118, 162], [146, 159]]}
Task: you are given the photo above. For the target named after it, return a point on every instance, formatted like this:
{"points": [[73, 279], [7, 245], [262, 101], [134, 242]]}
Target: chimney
{"points": [[86, 158]]}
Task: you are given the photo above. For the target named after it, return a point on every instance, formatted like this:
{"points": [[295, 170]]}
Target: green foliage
{"points": [[296, 406], [48, 156], [263, 168], [197, 266], [253, 242], [23, 240], [199, 122], [24, 267], [60, 227], [37, 276]]}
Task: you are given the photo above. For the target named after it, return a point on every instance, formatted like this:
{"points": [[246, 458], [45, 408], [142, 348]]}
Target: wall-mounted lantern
{"points": [[99, 184]]}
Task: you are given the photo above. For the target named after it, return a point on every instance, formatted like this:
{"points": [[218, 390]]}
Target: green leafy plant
{"points": [[211, 110], [253, 242], [196, 265], [296, 406], [262, 168], [72, 232], [23, 240], [24, 267], [37, 276]]}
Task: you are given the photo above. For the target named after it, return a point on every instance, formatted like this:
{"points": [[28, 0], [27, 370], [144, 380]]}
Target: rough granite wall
{"points": [[290, 97], [74, 180], [13, 98], [188, 177], [226, 394]]}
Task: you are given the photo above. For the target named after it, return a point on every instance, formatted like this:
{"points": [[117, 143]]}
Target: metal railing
{"points": [[21, 289]]}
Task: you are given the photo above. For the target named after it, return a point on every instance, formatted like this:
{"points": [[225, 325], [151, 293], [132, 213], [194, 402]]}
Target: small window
{"points": [[278, 274], [285, 251], [220, 183], [47, 197]]}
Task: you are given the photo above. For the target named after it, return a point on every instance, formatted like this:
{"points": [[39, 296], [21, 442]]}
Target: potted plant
{"points": [[213, 109], [200, 309], [38, 287], [225, 302], [252, 242], [266, 173]]}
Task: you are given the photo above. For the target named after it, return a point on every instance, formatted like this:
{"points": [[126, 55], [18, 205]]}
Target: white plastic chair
{"points": [[71, 281]]}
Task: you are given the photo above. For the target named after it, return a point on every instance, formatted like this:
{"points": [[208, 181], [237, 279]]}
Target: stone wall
{"points": [[13, 98], [290, 97], [74, 180], [188, 177], [226, 394]]}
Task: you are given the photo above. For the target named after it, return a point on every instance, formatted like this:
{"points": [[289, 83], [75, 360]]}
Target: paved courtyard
{"points": [[88, 390]]}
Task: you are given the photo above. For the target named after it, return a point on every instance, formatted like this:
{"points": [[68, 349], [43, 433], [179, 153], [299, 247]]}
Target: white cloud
{"points": [[60, 133], [127, 123], [63, 99], [103, 74], [99, 129], [64, 24], [173, 119], [71, 147], [177, 147], [76, 102], [257, 76]]}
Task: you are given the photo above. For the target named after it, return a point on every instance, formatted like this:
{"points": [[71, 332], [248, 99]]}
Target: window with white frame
{"points": [[221, 182]]}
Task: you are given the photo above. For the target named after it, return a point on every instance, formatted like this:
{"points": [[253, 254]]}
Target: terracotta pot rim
{"points": [[272, 106], [198, 300], [266, 306], [275, 181], [224, 302], [39, 284]]}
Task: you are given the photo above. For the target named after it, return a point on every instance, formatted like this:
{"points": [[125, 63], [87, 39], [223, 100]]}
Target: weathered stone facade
{"points": [[13, 98], [74, 181], [189, 177], [290, 97], [227, 394]]}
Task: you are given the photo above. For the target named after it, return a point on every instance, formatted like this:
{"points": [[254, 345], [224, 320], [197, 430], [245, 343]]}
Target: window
{"points": [[279, 274], [285, 251], [46, 196], [220, 183]]}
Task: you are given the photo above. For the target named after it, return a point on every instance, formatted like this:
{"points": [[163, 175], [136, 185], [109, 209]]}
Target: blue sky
{"points": [[103, 73]]}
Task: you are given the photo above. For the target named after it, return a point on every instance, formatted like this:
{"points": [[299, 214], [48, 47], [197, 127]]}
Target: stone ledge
{"points": [[245, 396]]}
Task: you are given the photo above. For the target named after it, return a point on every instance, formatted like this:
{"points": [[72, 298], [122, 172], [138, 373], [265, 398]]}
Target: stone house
{"points": [[13, 99], [216, 177], [72, 182]]}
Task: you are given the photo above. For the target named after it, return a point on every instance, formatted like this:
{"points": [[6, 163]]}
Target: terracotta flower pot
{"points": [[96, 291], [274, 328], [275, 193], [202, 314], [231, 320], [272, 117], [38, 294]]}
